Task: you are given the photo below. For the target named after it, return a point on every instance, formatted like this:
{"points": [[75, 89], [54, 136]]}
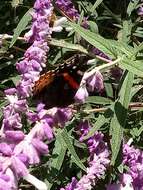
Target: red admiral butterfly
{"points": [[58, 87]]}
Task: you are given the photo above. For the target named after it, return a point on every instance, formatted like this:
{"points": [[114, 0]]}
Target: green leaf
{"points": [[21, 26], [16, 3], [98, 100], [138, 48], [135, 67], [132, 6], [58, 155], [125, 92], [96, 4], [120, 113], [117, 134], [109, 89], [3, 104], [71, 149], [93, 26], [95, 39], [111, 48], [64, 44], [135, 90], [126, 31], [101, 120]]}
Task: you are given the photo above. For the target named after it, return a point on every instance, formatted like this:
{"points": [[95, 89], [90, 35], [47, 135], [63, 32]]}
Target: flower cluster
{"points": [[35, 55], [133, 158], [19, 150], [132, 178], [99, 160], [67, 7]]}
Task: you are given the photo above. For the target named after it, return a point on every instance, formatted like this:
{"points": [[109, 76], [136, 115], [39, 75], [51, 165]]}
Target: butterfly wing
{"points": [[43, 81], [58, 87]]}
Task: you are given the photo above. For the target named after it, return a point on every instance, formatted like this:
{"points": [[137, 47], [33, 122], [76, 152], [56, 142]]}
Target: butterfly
{"points": [[57, 88]]}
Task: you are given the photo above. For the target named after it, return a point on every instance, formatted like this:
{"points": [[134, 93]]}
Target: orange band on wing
{"points": [[43, 81], [70, 80]]}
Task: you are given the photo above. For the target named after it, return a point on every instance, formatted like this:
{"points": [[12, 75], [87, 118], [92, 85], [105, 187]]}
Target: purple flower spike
{"points": [[99, 160], [17, 149], [81, 95]]}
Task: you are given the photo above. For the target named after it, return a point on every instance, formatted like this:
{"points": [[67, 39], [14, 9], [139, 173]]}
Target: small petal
{"points": [[81, 95], [40, 146], [14, 135], [19, 167], [5, 149]]}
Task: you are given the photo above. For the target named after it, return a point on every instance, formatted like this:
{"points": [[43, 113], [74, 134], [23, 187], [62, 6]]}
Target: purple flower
{"points": [[95, 82], [124, 184], [26, 147], [68, 8], [114, 187], [116, 72], [12, 136], [44, 122], [81, 94], [42, 130], [10, 91], [5, 149], [41, 5], [98, 52], [140, 11], [15, 103], [19, 167], [84, 128], [26, 66], [71, 186], [4, 185], [12, 122], [133, 158], [62, 115], [12, 169], [40, 146]]}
